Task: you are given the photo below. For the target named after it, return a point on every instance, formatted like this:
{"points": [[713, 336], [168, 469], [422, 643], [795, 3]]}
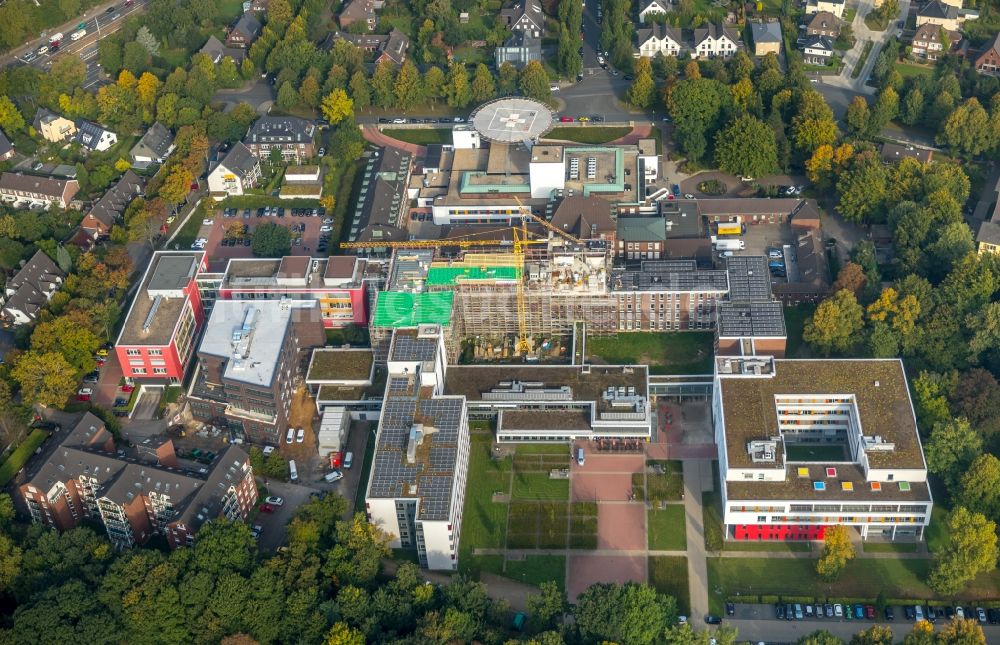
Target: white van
{"points": [[348, 460], [579, 457], [333, 476], [78, 34], [293, 474], [290, 435]]}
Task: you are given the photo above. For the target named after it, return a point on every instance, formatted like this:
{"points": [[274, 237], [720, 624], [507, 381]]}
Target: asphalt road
{"points": [[274, 524]]}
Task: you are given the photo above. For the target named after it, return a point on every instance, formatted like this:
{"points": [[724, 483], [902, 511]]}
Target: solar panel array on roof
{"points": [[431, 476], [749, 280], [669, 281], [751, 319], [669, 265], [411, 348]]}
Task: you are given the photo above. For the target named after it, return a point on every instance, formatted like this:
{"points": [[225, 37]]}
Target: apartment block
{"points": [[417, 485], [806, 444], [248, 362], [135, 493], [158, 338]]}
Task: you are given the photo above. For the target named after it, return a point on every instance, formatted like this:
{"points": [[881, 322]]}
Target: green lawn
{"points": [[538, 486], [686, 352], [908, 71], [420, 136], [484, 522], [589, 134], [20, 455], [667, 529], [937, 531], [366, 468], [860, 65], [536, 569], [863, 578], [668, 487], [711, 517], [890, 547], [188, 234], [669, 575], [795, 322], [769, 546]]}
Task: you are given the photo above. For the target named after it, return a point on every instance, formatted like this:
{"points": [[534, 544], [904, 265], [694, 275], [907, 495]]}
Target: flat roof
{"points": [[543, 420], [250, 335], [334, 364], [751, 319], [878, 386], [472, 381], [795, 487], [152, 318], [409, 345], [405, 309], [749, 279], [681, 281], [512, 119]]}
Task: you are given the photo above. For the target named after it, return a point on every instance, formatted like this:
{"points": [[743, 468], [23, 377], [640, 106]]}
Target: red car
{"points": [[565, 119], [266, 508], [127, 389]]}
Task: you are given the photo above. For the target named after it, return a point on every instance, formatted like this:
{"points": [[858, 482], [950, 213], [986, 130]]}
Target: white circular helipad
{"points": [[512, 120]]}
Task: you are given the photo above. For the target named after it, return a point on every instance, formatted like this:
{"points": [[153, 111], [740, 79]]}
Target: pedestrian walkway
{"points": [[697, 566], [372, 134], [638, 132]]}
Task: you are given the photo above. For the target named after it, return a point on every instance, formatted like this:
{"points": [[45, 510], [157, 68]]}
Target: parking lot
{"points": [[762, 238], [860, 613], [229, 232]]}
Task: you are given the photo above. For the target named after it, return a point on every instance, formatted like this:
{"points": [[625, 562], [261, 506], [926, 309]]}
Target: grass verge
{"points": [[536, 569], [420, 136], [768, 546], [712, 518], [366, 469], [589, 134], [669, 575], [667, 529], [20, 455], [890, 547], [538, 486], [860, 65], [484, 522], [665, 352]]}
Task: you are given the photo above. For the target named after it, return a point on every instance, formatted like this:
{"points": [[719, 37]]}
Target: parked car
{"points": [[713, 620], [266, 508], [92, 377], [809, 611], [276, 501], [959, 612], [290, 435], [789, 611], [838, 610], [981, 615], [918, 612], [399, 121], [256, 530], [84, 394], [779, 611], [331, 477], [909, 612], [931, 614], [828, 610], [949, 612], [322, 152], [300, 436], [730, 607], [348, 459], [565, 119], [890, 614]]}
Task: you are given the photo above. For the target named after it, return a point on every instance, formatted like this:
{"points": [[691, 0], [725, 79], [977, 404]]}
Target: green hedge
{"points": [[20, 455]]}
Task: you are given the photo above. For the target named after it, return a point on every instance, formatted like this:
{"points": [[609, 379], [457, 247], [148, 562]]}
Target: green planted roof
{"points": [[443, 276], [400, 309]]}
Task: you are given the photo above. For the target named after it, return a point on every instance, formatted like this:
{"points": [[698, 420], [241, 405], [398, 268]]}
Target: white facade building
{"points": [[806, 444], [659, 39], [651, 7], [836, 7], [714, 41], [417, 486]]}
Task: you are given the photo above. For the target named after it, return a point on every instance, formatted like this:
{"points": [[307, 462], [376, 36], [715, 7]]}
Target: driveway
{"points": [[259, 94], [275, 524], [862, 35]]}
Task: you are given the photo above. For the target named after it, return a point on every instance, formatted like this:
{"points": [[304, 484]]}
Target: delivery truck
{"points": [[729, 244], [55, 39], [730, 228]]}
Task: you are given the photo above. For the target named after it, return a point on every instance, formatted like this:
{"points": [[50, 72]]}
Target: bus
{"points": [[293, 474]]}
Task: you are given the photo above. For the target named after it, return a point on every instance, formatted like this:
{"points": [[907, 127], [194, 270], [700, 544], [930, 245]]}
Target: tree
{"points": [[747, 148], [835, 324], [627, 614], [862, 187], [63, 335], [851, 277], [343, 634], [980, 486], [361, 93], [146, 38], [874, 635], [288, 98], [271, 241], [507, 78], [858, 116], [642, 92], [45, 378], [308, 91], [820, 637], [967, 130], [176, 185], [913, 107], [961, 632], [813, 124], [336, 106], [383, 81], [971, 549], [10, 119], [922, 634], [483, 87], [951, 449], [534, 82], [838, 550], [547, 608], [408, 88], [886, 109]]}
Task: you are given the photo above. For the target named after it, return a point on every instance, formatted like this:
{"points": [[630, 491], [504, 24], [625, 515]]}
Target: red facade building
{"points": [[158, 338]]}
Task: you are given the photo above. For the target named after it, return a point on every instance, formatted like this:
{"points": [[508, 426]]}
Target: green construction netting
{"points": [[398, 309], [442, 276]]}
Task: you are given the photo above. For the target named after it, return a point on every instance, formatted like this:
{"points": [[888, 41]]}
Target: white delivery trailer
{"points": [[729, 244], [55, 38]]}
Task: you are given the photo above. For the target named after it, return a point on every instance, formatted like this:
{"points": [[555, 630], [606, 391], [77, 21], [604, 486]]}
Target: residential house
{"points": [[216, 51], [153, 148], [238, 171], [659, 39], [290, 135], [526, 16], [106, 211], [395, 48], [248, 363], [894, 153], [989, 61], [836, 7], [94, 137], [938, 13], [519, 50], [255, 6], [358, 11], [371, 43], [817, 50], [715, 41], [135, 493], [988, 237], [244, 32], [766, 37], [52, 127], [6, 147], [28, 190], [823, 23], [31, 288], [650, 7], [157, 340]]}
